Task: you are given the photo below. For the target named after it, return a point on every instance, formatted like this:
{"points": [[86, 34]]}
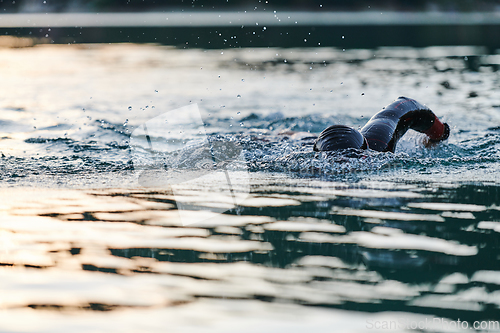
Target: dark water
{"points": [[97, 236]]}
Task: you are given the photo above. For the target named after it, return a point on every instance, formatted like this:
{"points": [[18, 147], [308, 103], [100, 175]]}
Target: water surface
{"points": [[315, 241]]}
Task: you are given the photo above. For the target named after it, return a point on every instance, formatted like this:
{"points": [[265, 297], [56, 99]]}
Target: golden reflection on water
{"points": [[294, 253], [118, 250]]}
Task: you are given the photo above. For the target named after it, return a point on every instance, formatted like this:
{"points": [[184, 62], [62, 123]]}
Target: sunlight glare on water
{"points": [[299, 240]]}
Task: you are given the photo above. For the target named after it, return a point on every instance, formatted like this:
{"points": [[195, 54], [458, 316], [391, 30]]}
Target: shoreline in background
{"points": [[261, 29], [246, 19]]}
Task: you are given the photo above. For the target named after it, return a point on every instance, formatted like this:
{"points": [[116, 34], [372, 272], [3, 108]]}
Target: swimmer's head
{"points": [[338, 137]]}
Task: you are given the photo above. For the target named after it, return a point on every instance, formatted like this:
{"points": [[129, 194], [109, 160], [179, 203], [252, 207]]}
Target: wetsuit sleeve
{"points": [[385, 128]]}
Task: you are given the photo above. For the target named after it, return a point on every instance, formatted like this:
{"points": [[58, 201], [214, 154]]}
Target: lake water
{"points": [[110, 223]]}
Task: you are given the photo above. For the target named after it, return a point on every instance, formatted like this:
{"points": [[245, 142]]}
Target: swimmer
{"points": [[385, 128]]}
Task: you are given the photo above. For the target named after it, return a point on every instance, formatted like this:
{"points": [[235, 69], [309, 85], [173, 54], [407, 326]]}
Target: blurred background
{"points": [[27, 6], [255, 23]]}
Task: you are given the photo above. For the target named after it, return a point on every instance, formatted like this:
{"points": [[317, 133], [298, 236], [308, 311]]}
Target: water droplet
{"points": [[242, 124], [242, 80], [130, 108], [305, 40], [264, 28], [230, 125], [284, 60], [222, 52], [156, 91], [238, 112], [239, 96], [342, 37], [362, 94], [126, 122], [341, 82]]}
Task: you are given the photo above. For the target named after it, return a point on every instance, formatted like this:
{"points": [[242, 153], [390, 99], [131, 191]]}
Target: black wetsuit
{"points": [[385, 128]]}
